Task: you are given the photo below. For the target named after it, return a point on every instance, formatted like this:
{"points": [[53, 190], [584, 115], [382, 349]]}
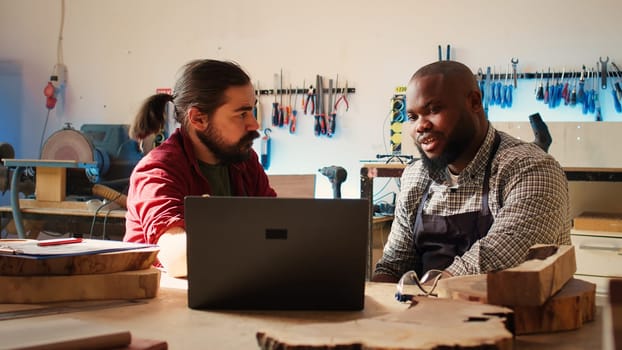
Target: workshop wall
{"points": [[118, 52]]}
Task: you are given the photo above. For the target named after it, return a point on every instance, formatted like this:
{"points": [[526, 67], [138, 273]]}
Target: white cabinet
{"points": [[599, 256]]}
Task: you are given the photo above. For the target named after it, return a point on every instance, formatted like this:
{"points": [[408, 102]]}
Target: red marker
{"points": [[59, 241]]}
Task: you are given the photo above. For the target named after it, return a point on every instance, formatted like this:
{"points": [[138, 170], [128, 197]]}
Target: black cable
{"points": [[105, 217], [383, 188], [105, 221], [95, 216]]}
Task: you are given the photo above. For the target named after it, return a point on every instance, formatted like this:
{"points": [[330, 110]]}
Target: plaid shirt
{"points": [[528, 199]]}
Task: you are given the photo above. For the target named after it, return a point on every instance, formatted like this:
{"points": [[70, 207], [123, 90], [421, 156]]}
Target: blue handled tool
{"points": [[573, 94], [508, 95], [540, 88], [593, 93], [488, 91], [616, 90], [566, 92], [559, 88], [266, 146], [497, 89], [480, 82], [581, 92], [587, 94], [547, 91], [616, 102], [440, 53], [596, 102]]}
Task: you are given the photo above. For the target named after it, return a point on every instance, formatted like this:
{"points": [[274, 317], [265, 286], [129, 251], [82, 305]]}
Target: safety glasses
{"points": [[410, 285]]}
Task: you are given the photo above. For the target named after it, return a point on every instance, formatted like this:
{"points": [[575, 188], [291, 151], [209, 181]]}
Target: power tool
{"points": [[336, 175], [540, 132]]}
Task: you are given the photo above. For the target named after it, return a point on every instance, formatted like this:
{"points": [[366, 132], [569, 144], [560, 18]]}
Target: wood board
{"points": [[129, 260], [594, 221], [534, 281], [429, 324], [570, 308], [65, 334], [42, 289]]}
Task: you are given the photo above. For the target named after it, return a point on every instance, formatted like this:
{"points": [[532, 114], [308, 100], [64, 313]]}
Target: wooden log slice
{"points": [[534, 281], [42, 289], [129, 260], [429, 324], [568, 309]]}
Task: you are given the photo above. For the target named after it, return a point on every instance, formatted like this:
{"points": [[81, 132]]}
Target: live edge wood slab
{"points": [[533, 282], [429, 323], [568, 309], [129, 260], [124, 285]]}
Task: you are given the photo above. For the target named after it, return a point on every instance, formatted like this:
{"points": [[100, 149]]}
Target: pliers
{"points": [[310, 99], [343, 97]]}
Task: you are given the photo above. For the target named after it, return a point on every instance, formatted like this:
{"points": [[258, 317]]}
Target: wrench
{"points": [[514, 64], [603, 72]]}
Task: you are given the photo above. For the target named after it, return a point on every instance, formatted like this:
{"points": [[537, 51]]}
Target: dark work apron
{"points": [[438, 239]]}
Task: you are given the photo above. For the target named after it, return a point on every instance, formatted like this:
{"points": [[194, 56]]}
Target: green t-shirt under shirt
{"points": [[218, 177]]}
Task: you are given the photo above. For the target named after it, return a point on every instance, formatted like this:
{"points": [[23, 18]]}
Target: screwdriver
{"points": [[275, 106], [292, 121], [565, 91], [559, 87], [581, 92], [281, 107], [573, 93], [509, 91], [540, 92], [504, 88], [257, 108], [593, 93], [496, 88], [586, 94], [480, 80], [616, 91], [546, 88], [617, 84], [595, 102], [288, 108]]}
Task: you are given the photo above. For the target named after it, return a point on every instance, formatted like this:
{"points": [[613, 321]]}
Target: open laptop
{"points": [[276, 253]]}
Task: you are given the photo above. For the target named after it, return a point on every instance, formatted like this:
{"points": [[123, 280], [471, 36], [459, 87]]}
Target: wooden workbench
{"points": [[66, 216], [167, 317]]}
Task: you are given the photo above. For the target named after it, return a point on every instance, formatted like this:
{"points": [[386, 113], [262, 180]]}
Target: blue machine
{"points": [[108, 145]]}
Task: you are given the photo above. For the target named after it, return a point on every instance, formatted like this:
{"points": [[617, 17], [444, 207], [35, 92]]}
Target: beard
{"points": [[227, 154], [457, 142]]}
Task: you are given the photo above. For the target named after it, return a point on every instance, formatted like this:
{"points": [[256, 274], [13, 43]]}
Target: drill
{"points": [[336, 175]]}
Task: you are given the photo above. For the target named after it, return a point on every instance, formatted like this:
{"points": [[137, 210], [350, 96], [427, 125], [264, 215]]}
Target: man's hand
{"points": [[172, 253]]}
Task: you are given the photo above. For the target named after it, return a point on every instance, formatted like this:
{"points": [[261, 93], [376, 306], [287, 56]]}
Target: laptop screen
{"points": [[276, 253]]}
